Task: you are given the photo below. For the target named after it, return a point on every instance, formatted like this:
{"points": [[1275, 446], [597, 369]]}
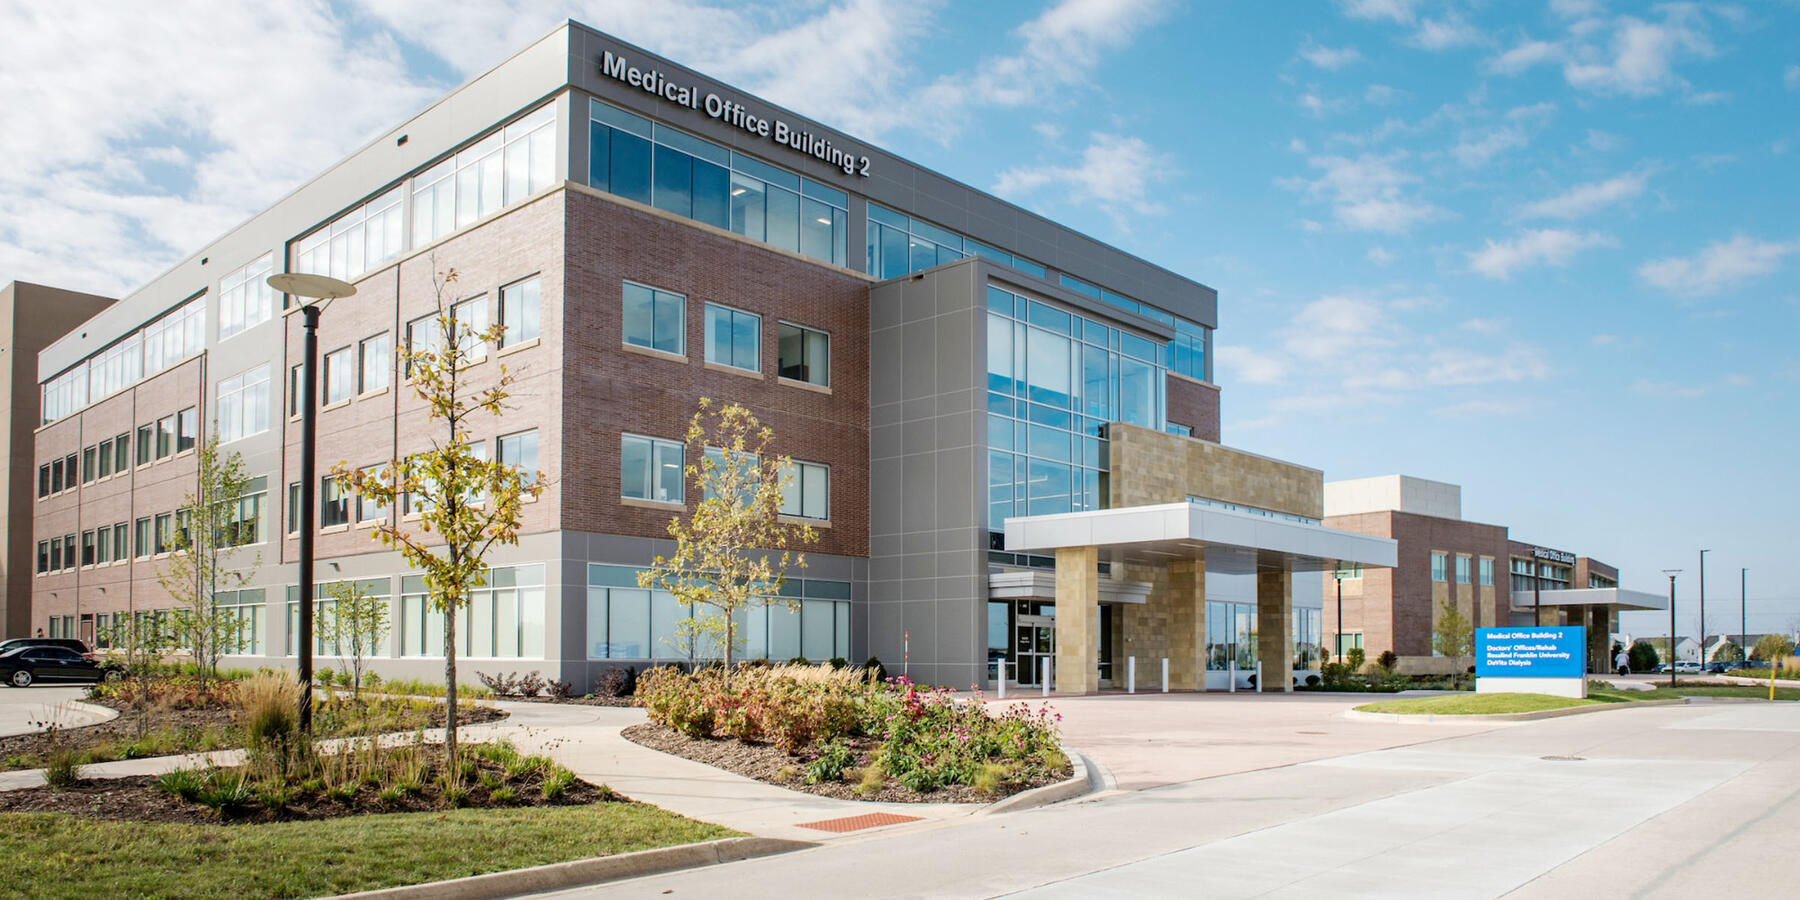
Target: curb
{"points": [[1085, 778], [582, 872], [1431, 718], [106, 713]]}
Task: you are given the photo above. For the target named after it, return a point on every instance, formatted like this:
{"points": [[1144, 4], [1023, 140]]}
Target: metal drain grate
{"points": [[1563, 758]]}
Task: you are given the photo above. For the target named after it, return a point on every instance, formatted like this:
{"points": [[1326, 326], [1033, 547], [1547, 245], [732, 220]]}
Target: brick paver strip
{"points": [[858, 823]]}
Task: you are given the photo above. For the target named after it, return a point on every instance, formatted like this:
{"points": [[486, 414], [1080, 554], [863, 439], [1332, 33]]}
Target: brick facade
{"points": [[1396, 609], [1194, 404]]}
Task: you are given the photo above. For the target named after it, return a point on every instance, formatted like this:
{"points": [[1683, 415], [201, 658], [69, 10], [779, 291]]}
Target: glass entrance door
{"points": [[1034, 639]]}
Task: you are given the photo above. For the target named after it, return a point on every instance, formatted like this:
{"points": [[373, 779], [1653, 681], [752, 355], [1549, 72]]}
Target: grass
{"points": [[60, 856], [1492, 704]]}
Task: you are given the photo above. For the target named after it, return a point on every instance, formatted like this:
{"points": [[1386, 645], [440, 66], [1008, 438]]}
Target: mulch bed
{"points": [[137, 799], [124, 729], [764, 762]]}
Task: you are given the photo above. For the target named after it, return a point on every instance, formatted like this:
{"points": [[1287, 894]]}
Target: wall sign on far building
{"points": [[1531, 660], [731, 112]]}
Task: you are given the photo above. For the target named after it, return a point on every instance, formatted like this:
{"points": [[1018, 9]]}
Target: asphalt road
{"points": [[1657, 802]]}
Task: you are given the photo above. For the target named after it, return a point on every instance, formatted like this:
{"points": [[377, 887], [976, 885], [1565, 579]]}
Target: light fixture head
{"points": [[311, 287]]}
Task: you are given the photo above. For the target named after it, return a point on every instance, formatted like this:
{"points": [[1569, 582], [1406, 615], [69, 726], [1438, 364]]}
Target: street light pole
{"points": [[1703, 606], [1671, 573], [1743, 618], [308, 287], [1338, 648]]}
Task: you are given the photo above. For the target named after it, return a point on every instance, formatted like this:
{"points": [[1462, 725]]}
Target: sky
{"points": [[1548, 251]]}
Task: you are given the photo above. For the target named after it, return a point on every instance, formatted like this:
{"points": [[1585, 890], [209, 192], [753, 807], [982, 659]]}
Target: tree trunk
{"points": [[452, 774], [730, 638]]}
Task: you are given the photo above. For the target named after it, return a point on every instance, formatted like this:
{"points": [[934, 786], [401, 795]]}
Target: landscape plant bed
{"points": [[173, 730], [768, 763], [54, 856], [495, 776]]}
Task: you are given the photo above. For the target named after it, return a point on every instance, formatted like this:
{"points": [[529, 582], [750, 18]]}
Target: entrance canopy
{"points": [[1624, 599], [1159, 533]]}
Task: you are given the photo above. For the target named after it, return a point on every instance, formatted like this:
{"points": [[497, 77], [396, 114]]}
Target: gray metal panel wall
{"points": [[928, 474]]}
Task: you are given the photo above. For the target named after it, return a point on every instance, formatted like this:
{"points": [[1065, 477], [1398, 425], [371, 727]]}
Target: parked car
{"points": [[32, 663], [1752, 664], [80, 647], [1720, 667]]}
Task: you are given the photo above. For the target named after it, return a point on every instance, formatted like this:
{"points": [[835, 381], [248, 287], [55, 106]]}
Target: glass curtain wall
{"points": [[1054, 380], [651, 163], [900, 245], [628, 622], [1231, 631]]}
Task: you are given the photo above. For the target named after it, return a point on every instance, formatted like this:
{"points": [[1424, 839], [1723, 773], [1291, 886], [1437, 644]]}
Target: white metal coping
{"points": [[1030, 583], [1163, 531], [1620, 597]]}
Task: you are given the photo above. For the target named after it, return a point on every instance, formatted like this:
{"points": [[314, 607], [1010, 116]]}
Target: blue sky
{"points": [[1546, 251]]}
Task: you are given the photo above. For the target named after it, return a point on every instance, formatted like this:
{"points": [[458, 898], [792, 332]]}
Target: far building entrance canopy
{"points": [[1596, 609], [1195, 555]]}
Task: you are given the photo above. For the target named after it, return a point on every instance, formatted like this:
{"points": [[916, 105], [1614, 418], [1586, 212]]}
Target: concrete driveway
{"points": [[20, 707]]}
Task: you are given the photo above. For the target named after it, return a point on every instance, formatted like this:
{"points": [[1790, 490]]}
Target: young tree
{"points": [[1451, 634], [1728, 651], [204, 559], [140, 641], [734, 552], [467, 504], [1771, 647], [1643, 657], [356, 623]]}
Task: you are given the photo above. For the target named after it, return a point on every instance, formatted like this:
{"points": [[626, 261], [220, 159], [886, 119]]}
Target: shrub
{"points": [[798, 661], [876, 670], [1355, 658], [830, 764], [505, 796], [61, 768], [225, 791], [560, 690], [1313, 681], [838, 662], [1388, 660], [620, 681], [874, 778], [992, 777], [267, 707], [557, 783], [183, 783]]}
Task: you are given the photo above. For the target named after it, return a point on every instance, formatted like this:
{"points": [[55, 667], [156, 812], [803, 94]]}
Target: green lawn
{"points": [[1472, 704], [55, 856]]}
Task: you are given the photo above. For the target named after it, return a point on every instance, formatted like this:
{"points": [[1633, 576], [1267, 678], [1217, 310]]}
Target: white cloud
{"points": [[1248, 366], [1447, 33], [1545, 246], [1603, 141], [1526, 54], [1484, 326], [1639, 60], [1329, 58], [1477, 150], [1791, 78], [1586, 199], [1389, 10], [1379, 255], [1485, 407], [1720, 265], [1518, 363], [1368, 193], [1115, 173], [1690, 390], [1382, 95]]}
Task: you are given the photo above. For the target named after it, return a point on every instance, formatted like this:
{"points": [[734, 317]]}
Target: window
{"points": [[471, 318], [122, 452], [339, 383], [650, 469], [241, 614], [43, 557], [806, 491], [369, 509], [44, 480], [655, 319], [354, 242], [375, 358], [1487, 571], [245, 298], [103, 462], [145, 539], [628, 622], [163, 533], [146, 447], [334, 503], [520, 452], [1462, 569], [1439, 562], [243, 523], [87, 465], [165, 437], [174, 337], [56, 554], [244, 404], [121, 536], [744, 460], [296, 388], [519, 311], [804, 354], [632, 157], [293, 508], [423, 335], [87, 548], [498, 170], [187, 429], [102, 545], [733, 337]]}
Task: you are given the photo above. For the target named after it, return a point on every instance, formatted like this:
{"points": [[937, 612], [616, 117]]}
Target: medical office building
{"points": [[1005, 432]]}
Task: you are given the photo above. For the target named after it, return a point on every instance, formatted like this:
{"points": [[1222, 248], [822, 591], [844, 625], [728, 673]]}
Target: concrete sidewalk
{"points": [[21, 707]]}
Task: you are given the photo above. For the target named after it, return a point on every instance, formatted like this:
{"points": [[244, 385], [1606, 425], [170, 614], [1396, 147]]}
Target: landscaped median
{"points": [[1600, 694]]}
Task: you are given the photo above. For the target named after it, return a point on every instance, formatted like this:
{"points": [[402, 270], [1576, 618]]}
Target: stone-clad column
{"points": [[1077, 620], [1187, 626], [1275, 628]]}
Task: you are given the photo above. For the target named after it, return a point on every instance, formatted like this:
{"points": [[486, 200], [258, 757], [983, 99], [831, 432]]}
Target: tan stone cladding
{"points": [[608, 390], [1149, 467]]}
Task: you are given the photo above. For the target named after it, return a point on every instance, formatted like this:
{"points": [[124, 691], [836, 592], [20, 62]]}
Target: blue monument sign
{"points": [[1533, 660]]}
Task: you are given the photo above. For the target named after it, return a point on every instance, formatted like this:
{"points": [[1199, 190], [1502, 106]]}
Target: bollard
{"points": [[1165, 674], [1231, 676], [1002, 679], [1130, 674], [1044, 674], [1259, 678]]}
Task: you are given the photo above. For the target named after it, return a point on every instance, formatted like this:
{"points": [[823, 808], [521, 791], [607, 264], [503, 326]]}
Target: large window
{"points": [[187, 429], [733, 337], [655, 319], [241, 615], [325, 606], [1462, 569], [1439, 567], [340, 379], [635, 158], [494, 172], [625, 621], [423, 334], [244, 404], [899, 244], [804, 354], [471, 317], [165, 439], [1487, 571], [650, 469], [356, 241], [173, 337], [244, 521], [519, 311], [375, 363], [334, 503], [370, 509], [807, 491], [504, 619], [146, 444], [1308, 642], [245, 298], [520, 452]]}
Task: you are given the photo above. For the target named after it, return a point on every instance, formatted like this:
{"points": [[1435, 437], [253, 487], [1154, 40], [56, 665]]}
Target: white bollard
{"points": [[1231, 676], [1044, 674], [1165, 674], [1130, 674], [1259, 680], [1002, 679]]}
